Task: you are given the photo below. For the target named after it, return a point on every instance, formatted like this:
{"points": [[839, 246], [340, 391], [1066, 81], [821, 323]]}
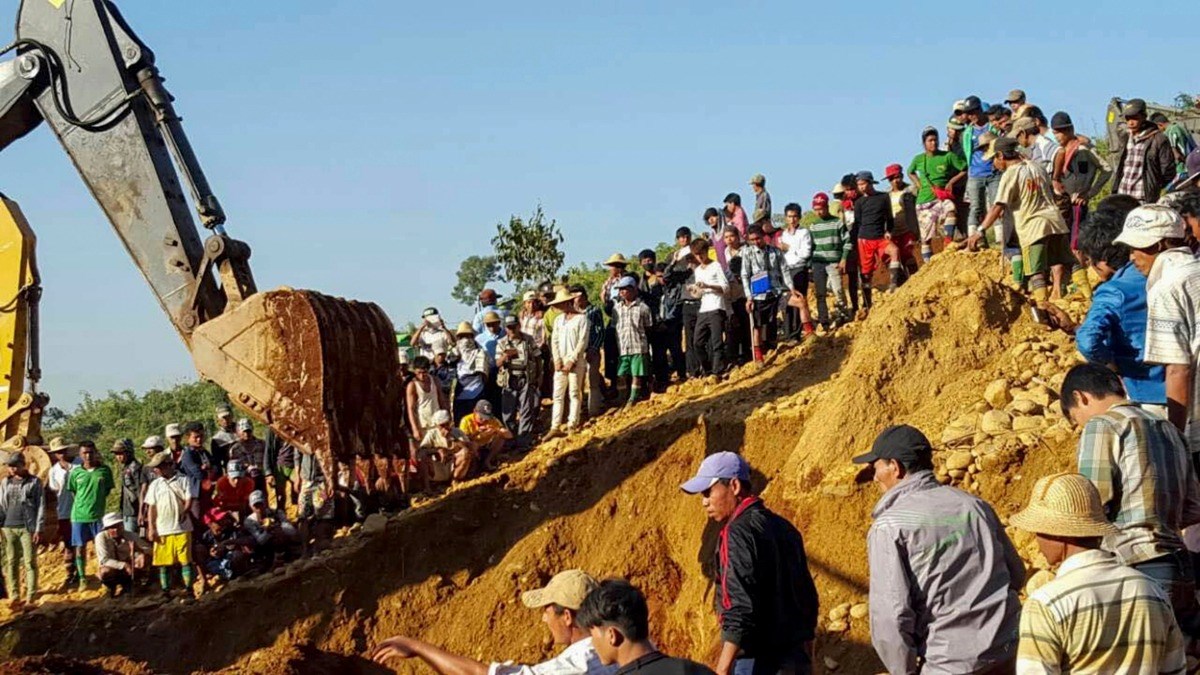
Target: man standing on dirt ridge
{"points": [[559, 601], [955, 611], [766, 599]]}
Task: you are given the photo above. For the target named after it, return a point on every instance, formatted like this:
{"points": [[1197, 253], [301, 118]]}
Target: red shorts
{"points": [[869, 251], [905, 242]]}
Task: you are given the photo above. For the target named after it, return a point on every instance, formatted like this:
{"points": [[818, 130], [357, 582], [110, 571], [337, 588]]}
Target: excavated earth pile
{"points": [[953, 352]]}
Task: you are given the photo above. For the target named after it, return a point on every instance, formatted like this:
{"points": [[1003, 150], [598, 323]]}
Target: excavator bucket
{"points": [[320, 371]]}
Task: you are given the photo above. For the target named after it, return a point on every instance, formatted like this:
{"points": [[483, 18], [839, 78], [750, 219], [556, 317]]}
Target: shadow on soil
{"points": [[467, 530]]}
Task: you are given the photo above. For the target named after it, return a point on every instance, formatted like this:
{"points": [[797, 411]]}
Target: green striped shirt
{"points": [[831, 244]]}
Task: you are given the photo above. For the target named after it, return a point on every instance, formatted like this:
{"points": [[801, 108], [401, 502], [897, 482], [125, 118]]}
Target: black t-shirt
{"points": [[873, 215], [657, 663]]}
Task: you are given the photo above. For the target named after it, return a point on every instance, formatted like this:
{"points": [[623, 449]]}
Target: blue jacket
{"points": [[1115, 332]]}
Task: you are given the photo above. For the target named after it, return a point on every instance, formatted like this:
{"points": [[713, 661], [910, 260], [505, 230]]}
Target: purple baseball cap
{"points": [[715, 467]]}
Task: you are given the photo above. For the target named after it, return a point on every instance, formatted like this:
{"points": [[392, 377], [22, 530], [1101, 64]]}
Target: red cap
{"points": [[892, 171], [215, 515], [820, 199]]}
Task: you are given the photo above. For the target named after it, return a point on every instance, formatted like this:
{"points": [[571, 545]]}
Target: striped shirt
{"points": [[1140, 464], [1172, 312], [633, 320], [1099, 616], [831, 244]]}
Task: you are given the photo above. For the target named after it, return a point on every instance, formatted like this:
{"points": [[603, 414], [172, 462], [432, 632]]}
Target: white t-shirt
{"points": [[799, 247], [433, 340], [1172, 309], [710, 300], [169, 496]]}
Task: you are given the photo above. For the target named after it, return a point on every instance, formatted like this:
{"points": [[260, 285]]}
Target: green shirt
{"points": [[935, 170], [831, 243], [91, 488]]}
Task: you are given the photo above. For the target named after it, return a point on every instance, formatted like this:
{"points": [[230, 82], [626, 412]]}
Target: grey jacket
{"points": [[944, 580], [31, 499]]}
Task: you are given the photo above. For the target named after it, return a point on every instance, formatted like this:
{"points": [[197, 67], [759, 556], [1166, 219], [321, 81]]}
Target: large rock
{"points": [[840, 612], [859, 611], [1025, 406], [997, 394], [995, 422], [959, 459], [1038, 393], [1023, 423]]}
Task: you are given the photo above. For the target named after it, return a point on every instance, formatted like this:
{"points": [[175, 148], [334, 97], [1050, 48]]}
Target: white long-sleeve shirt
{"points": [[710, 300], [799, 247], [568, 341]]}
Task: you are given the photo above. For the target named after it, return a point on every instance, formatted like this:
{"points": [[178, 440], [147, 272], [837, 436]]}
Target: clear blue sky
{"points": [[365, 148]]}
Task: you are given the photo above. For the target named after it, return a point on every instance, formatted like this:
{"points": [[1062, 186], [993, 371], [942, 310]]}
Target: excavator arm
{"points": [[319, 370]]}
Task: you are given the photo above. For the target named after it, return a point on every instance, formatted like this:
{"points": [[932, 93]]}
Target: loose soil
{"points": [[606, 500]]}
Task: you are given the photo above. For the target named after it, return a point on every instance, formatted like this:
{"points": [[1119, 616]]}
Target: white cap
{"points": [[441, 417], [112, 519], [244, 425], [152, 442], [1147, 225], [257, 497], [173, 430]]}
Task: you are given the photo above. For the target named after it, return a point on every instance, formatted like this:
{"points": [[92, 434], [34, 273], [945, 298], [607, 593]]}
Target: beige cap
{"points": [[1064, 505], [60, 445], [758, 179], [1025, 124], [567, 589]]}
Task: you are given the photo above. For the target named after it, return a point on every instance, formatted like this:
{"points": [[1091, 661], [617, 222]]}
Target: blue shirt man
{"points": [[487, 303], [1115, 332]]}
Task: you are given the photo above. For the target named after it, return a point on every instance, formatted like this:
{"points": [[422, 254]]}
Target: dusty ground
{"points": [[451, 571]]}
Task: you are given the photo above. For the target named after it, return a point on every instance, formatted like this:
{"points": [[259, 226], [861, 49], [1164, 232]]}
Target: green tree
{"points": [[125, 414], [474, 274], [1185, 102], [528, 251]]}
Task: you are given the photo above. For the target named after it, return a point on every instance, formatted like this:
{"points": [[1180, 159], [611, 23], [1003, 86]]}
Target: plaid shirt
{"points": [[1135, 164], [1140, 464], [1099, 616], [768, 258], [633, 320]]}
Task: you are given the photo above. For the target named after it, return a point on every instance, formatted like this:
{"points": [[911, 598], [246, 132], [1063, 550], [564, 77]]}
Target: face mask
{"points": [[465, 344]]}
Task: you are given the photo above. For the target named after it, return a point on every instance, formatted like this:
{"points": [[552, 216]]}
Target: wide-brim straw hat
{"points": [[464, 329], [616, 259], [1064, 505], [563, 296], [61, 445]]}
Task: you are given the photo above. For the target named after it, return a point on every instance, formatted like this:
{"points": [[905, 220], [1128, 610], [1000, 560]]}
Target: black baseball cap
{"points": [[1061, 120], [1134, 107], [900, 442], [972, 103]]}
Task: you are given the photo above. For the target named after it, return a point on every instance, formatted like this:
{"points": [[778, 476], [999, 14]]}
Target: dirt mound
{"points": [[607, 501]]}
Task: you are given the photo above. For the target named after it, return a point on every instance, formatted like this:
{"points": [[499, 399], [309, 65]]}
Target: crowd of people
{"points": [[944, 576], [196, 511]]}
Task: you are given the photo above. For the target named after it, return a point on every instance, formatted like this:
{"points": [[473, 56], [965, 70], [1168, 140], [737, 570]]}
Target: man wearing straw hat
{"points": [[1097, 615], [62, 454], [568, 352]]}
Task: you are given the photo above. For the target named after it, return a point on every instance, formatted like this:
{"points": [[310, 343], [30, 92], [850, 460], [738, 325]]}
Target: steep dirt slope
{"points": [[607, 501]]}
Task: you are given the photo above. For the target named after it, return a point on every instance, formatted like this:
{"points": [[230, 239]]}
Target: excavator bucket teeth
{"points": [[321, 371]]}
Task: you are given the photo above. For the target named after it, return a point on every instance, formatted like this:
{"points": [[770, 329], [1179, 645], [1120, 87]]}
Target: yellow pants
{"points": [[173, 549]]}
